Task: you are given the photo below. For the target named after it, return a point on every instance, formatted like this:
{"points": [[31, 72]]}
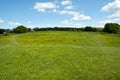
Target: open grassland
{"points": [[60, 55]]}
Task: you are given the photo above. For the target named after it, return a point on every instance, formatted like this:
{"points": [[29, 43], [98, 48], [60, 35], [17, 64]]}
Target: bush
{"points": [[2, 31], [29, 29], [36, 29], [89, 28], [112, 28], [20, 29]]}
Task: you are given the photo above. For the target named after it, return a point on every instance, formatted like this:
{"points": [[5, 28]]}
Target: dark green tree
{"points": [[88, 28], [2, 31], [111, 28], [20, 29], [36, 29], [29, 29]]}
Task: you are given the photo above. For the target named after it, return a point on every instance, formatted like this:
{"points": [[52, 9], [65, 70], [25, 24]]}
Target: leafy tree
{"points": [[29, 29], [36, 29], [20, 29], [111, 28], [89, 28], [2, 31]]}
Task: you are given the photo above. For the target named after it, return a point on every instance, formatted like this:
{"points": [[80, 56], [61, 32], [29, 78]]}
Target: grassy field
{"points": [[60, 56]]}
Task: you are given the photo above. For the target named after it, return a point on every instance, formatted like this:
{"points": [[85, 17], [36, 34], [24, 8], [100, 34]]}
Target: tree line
{"points": [[109, 28], [87, 28]]}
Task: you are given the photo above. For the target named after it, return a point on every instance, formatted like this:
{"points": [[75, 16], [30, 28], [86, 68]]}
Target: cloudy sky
{"points": [[61, 13]]}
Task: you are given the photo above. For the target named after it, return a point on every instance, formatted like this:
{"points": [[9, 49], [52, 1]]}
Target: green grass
{"points": [[60, 55]]}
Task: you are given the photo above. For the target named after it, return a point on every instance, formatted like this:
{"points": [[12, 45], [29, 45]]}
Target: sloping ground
{"points": [[60, 56]]}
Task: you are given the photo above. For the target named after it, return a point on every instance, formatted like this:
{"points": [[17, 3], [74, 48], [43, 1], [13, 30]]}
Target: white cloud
{"points": [[67, 12], [75, 15], [66, 2], [1, 21], [115, 15], [54, 10], [115, 5], [103, 22], [81, 17], [69, 7], [64, 22], [14, 23], [114, 8], [42, 6]]}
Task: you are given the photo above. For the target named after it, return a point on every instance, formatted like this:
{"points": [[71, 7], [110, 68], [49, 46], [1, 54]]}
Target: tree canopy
{"points": [[112, 28], [20, 29], [2, 31]]}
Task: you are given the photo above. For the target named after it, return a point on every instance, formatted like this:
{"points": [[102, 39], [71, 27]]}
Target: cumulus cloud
{"points": [[14, 23], [75, 15], [66, 2], [115, 15], [80, 17], [42, 6], [69, 7], [1, 21], [114, 8], [103, 22], [67, 12], [115, 5]]}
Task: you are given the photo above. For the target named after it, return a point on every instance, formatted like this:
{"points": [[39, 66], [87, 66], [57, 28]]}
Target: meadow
{"points": [[60, 55]]}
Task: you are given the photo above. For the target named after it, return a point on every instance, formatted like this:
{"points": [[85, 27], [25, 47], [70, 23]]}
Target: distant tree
{"points": [[94, 29], [99, 29], [36, 29], [9, 30], [88, 28], [2, 31], [29, 29], [111, 28], [20, 29]]}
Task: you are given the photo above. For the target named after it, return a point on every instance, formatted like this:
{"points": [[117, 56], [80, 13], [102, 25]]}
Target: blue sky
{"points": [[61, 13]]}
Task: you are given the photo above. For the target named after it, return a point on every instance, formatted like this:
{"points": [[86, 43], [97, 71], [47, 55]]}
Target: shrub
{"points": [[36, 29], [29, 29], [112, 28], [2, 31], [20, 29], [89, 28]]}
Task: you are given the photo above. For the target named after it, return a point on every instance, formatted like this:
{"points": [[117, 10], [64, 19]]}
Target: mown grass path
{"points": [[60, 55]]}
